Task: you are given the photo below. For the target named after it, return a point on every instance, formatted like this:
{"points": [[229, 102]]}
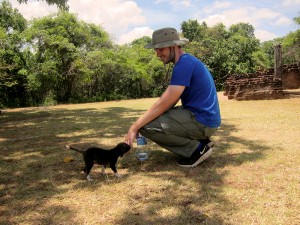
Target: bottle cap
{"points": [[141, 140]]}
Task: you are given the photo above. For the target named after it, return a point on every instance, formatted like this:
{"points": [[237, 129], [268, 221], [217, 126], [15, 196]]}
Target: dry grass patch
{"points": [[251, 178]]}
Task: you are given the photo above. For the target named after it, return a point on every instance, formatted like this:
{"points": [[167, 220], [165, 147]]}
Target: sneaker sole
{"points": [[201, 159]]}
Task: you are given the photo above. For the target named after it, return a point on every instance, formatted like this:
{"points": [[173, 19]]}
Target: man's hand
{"points": [[131, 135], [169, 98]]}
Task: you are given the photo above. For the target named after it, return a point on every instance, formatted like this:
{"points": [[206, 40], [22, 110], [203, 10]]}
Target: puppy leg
{"points": [[103, 169], [88, 177], [113, 167], [88, 166]]}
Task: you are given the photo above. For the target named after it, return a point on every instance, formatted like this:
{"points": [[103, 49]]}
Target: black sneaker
{"points": [[197, 157]]}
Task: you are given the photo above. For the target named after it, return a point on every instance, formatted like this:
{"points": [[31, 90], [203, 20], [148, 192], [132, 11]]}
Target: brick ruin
{"points": [[264, 84], [255, 86], [291, 76]]}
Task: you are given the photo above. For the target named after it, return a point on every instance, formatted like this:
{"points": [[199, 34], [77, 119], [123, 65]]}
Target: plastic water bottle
{"points": [[141, 152]]}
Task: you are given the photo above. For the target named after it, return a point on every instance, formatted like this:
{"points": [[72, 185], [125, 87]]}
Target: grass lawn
{"points": [[252, 177]]}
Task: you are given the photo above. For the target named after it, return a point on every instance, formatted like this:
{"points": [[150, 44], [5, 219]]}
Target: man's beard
{"points": [[171, 56]]}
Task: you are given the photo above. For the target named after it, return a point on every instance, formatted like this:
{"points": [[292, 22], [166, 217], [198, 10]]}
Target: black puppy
{"points": [[102, 157]]}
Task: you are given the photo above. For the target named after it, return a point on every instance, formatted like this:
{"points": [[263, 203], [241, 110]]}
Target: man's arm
{"points": [[168, 99]]}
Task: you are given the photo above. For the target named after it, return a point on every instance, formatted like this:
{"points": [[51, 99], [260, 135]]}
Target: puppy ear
{"points": [[123, 148]]}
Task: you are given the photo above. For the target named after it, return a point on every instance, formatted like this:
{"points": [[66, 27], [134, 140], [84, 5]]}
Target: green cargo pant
{"points": [[178, 131]]}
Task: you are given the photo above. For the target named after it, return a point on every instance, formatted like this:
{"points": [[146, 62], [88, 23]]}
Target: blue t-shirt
{"points": [[199, 95]]}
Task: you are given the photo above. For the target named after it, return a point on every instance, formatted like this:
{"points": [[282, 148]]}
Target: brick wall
{"points": [[291, 76], [262, 84]]}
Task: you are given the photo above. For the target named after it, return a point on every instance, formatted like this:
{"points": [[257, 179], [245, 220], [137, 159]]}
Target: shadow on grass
{"points": [[207, 179], [32, 169], [32, 151]]}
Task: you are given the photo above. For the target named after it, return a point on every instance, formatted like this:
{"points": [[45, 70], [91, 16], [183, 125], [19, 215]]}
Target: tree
{"points": [[264, 56], [291, 45], [147, 75], [141, 41], [62, 4], [10, 19], [242, 43], [60, 44], [297, 20], [244, 29], [223, 51], [192, 30], [217, 53], [12, 57]]}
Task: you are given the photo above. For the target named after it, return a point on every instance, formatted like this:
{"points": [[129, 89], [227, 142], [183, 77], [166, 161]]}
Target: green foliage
{"points": [[291, 48], [60, 43], [267, 49], [10, 19], [60, 59], [12, 58], [141, 41], [242, 44], [244, 29], [297, 20], [260, 60], [62, 4], [291, 45], [146, 71], [223, 51], [193, 31]]}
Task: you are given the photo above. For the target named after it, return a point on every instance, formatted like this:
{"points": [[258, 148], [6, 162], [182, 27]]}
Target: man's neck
{"points": [[178, 53]]}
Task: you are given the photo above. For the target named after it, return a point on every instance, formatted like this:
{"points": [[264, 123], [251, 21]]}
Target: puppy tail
{"points": [[75, 149]]}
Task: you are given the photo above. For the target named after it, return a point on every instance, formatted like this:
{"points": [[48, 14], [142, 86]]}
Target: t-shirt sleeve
{"points": [[182, 74]]}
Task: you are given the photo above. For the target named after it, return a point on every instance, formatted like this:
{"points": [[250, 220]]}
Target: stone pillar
{"points": [[278, 61]]}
